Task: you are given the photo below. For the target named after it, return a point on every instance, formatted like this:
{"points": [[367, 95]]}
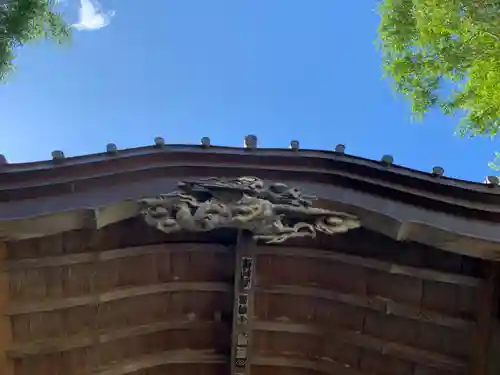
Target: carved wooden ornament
{"points": [[272, 213]]}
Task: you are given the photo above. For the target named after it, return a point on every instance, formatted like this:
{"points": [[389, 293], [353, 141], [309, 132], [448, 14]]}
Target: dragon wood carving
{"points": [[273, 213]]}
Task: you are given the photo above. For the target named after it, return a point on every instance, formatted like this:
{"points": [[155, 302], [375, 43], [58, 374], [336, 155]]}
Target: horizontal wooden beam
{"points": [[382, 305], [365, 341], [20, 218], [89, 257], [67, 184], [326, 366], [169, 357], [61, 344], [392, 268], [96, 299]]}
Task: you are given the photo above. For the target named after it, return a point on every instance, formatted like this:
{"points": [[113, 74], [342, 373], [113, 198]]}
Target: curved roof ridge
{"points": [[60, 162]]}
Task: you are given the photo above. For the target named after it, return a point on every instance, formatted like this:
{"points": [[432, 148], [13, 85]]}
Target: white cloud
{"points": [[91, 16]]}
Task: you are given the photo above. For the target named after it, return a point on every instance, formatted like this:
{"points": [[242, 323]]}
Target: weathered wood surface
{"points": [[45, 198], [243, 312], [6, 365], [487, 322], [320, 308], [80, 305], [122, 301], [494, 349]]}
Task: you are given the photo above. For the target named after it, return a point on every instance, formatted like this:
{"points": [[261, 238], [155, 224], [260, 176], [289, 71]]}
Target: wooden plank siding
{"points": [[127, 300], [362, 314], [76, 309], [6, 365], [494, 349]]}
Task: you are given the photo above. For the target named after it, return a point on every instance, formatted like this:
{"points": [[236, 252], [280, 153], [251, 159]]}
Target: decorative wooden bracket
{"points": [[272, 213]]}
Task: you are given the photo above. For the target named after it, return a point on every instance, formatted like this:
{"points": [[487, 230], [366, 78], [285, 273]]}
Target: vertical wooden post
{"points": [[243, 304], [6, 365], [487, 306]]}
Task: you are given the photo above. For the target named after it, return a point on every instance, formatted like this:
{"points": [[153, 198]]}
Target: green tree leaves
{"points": [[23, 21], [430, 45]]}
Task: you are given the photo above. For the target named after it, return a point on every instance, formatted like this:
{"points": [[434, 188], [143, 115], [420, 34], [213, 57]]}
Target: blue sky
{"points": [[184, 69]]}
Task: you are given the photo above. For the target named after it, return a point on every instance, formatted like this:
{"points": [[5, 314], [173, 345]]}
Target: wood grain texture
{"points": [[380, 304], [125, 300], [366, 314], [55, 345], [323, 365], [6, 364], [391, 268], [486, 314], [241, 332], [164, 358], [284, 333], [110, 305], [129, 252], [92, 300]]}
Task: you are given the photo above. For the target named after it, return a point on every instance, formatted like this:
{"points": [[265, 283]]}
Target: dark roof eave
{"points": [[102, 171], [79, 161], [397, 220]]}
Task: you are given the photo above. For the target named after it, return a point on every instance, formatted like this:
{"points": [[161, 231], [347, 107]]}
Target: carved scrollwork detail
{"points": [[272, 213]]}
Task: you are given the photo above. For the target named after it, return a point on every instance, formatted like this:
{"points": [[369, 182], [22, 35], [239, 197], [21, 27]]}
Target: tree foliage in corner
{"points": [[23, 21], [429, 46]]}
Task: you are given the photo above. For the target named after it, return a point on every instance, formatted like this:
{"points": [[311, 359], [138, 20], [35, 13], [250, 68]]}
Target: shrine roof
{"points": [[92, 182], [60, 163]]}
